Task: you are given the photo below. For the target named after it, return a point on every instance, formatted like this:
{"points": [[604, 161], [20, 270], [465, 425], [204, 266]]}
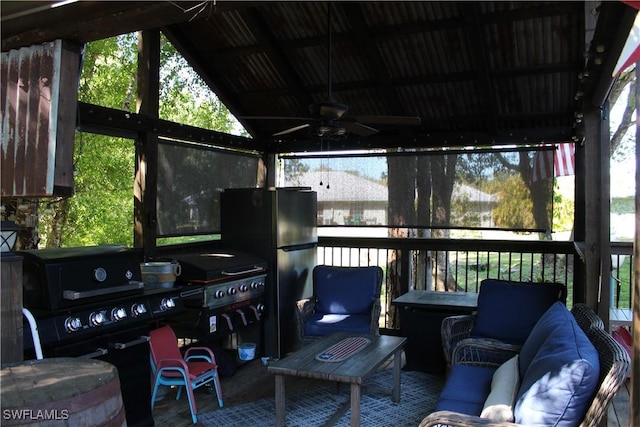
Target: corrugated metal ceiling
{"points": [[484, 70]]}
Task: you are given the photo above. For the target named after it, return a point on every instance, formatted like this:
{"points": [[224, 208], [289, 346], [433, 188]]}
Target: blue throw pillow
{"points": [[345, 290], [555, 315], [507, 311], [562, 376]]}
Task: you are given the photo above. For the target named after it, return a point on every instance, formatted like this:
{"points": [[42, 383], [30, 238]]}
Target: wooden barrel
{"points": [[61, 391]]}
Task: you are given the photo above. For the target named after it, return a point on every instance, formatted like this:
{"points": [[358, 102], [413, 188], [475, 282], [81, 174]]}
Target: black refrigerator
{"points": [[280, 226]]}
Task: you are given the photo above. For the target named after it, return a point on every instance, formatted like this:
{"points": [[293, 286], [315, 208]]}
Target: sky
{"points": [[623, 170]]}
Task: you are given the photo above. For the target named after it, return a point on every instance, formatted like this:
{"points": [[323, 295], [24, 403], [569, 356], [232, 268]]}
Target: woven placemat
{"points": [[343, 349]]}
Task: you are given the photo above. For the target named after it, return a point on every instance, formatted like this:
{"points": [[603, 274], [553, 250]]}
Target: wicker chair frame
{"points": [[614, 367], [586, 318]]}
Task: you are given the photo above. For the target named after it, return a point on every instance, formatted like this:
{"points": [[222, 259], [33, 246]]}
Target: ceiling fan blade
{"points": [[390, 120], [359, 129], [291, 130]]}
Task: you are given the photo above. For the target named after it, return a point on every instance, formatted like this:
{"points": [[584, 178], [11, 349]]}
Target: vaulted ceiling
{"points": [[480, 73]]}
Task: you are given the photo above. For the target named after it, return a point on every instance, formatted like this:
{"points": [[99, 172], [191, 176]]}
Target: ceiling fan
{"points": [[329, 118]]}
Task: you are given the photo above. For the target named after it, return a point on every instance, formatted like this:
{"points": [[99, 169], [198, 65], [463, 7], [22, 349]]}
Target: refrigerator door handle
{"points": [[299, 247]]}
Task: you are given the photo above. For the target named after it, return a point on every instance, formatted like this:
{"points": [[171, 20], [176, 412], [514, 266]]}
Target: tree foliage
{"points": [[515, 206], [101, 210]]}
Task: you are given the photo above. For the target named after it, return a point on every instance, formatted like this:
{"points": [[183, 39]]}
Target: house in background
{"points": [[347, 198], [472, 201]]}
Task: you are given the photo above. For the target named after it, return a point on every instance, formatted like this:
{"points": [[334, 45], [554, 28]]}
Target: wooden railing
{"points": [[460, 264], [621, 274]]}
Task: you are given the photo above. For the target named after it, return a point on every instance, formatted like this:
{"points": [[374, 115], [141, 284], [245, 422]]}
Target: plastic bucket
{"points": [[247, 351], [160, 274]]}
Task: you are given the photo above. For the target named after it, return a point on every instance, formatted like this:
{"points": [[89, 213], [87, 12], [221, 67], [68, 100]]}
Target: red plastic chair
{"points": [[171, 368]]}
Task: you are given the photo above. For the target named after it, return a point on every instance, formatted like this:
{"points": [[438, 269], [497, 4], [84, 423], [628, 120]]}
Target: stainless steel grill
{"points": [[223, 296]]}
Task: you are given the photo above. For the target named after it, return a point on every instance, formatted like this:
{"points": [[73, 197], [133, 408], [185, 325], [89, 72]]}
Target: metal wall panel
{"points": [[38, 107]]}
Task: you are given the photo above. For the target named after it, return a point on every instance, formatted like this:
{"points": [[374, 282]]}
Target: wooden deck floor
{"points": [[619, 411], [252, 382]]}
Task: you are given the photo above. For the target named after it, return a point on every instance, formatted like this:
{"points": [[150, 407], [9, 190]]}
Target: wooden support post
{"points": [[146, 180]]}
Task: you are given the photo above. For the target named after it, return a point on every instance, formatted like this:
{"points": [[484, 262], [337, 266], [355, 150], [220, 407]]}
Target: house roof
{"points": [[464, 191], [480, 73], [344, 186]]}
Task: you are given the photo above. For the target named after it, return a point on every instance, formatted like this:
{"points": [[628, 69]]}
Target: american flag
{"points": [[343, 349], [631, 51], [562, 161]]}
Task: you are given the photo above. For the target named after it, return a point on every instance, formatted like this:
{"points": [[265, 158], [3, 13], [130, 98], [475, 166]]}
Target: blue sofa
{"points": [[562, 376]]}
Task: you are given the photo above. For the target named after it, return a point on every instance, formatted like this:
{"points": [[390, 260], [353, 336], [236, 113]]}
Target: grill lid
{"points": [[218, 265], [69, 277]]}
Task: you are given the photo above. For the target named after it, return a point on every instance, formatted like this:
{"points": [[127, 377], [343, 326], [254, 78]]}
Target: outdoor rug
{"points": [[314, 406]]}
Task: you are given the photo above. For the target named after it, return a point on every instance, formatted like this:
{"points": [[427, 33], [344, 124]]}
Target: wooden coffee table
{"points": [[352, 370]]}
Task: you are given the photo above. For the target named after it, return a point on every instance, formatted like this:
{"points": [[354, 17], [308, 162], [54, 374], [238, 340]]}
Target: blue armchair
{"points": [[345, 299]]}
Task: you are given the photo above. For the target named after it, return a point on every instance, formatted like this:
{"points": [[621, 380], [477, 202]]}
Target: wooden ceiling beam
{"points": [[426, 79], [109, 121], [29, 23], [521, 137]]}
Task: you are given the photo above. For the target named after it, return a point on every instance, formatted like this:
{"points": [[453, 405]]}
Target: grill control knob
{"points": [[167, 304], [232, 291], [97, 318], [244, 287], [100, 274], [255, 285], [219, 294], [118, 313], [260, 307], [72, 324], [138, 309]]}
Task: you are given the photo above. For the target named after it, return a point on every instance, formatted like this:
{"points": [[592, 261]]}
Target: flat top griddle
{"points": [[218, 265]]}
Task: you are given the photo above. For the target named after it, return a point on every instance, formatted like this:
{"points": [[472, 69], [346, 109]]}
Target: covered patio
{"points": [[397, 77]]}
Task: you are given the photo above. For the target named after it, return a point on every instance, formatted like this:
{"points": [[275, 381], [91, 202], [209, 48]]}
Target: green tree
{"points": [[101, 210], [293, 170], [515, 205]]}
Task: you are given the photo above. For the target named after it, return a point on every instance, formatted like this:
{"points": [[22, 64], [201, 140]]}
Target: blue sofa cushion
{"points": [[561, 378], [508, 311], [320, 324], [466, 389], [345, 290], [540, 332]]}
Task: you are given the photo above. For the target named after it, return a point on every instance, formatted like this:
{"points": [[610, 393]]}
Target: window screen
{"points": [[190, 179], [462, 189]]}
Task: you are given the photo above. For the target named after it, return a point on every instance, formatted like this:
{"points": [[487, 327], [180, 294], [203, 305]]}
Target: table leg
{"points": [[280, 401], [397, 362], [355, 405]]}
